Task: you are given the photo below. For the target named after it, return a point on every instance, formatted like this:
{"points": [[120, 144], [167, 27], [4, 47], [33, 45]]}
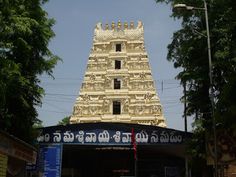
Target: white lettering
{"points": [[68, 137], [117, 137], [57, 137], [91, 137], [142, 137], [126, 137], [46, 137], [154, 137], [164, 138], [175, 138], [104, 137], [80, 136]]}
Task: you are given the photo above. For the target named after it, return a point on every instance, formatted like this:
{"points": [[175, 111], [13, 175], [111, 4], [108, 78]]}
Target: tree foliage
{"points": [[25, 32], [64, 121], [188, 50]]}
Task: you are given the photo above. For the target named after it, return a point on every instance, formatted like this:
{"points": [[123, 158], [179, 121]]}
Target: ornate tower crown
{"points": [[118, 84], [125, 31]]}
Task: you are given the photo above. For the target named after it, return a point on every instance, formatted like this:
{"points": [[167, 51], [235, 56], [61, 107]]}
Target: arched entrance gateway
{"points": [[117, 126]]}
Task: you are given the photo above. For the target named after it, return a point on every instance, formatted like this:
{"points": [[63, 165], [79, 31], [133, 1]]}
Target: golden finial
{"points": [[113, 25], [119, 25], [106, 27], [125, 25]]}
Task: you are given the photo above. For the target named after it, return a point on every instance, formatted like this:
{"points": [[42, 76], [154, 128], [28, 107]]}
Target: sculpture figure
{"points": [[140, 25], [126, 105]]}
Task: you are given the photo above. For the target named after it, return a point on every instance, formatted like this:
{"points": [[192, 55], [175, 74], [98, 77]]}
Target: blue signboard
{"points": [[110, 134], [50, 160]]}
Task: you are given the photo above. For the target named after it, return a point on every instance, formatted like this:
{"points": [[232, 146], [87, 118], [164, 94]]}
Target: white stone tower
{"points": [[118, 84]]}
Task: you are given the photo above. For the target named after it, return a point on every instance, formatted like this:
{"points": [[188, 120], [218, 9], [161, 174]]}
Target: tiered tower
{"points": [[118, 84]]}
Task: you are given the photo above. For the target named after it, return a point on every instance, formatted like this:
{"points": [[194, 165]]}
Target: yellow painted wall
{"points": [[3, 165]]}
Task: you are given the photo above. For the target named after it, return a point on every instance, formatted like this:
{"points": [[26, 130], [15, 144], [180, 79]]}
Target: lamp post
{"points": [[211, 92]]}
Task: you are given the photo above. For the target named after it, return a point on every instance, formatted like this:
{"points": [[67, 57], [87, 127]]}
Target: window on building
{"points": [[117, 83], [116, 107], [118, 47], [117, 64]]}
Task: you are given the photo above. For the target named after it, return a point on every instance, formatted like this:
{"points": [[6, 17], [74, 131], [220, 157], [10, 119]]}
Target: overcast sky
{"points": [[75, 22]]}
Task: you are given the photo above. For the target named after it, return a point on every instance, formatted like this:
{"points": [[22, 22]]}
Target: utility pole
{"points": [[185, 111], [211, 91]]}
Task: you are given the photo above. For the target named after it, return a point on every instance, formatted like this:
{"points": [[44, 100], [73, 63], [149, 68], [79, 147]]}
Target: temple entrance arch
{"points": [[107, 150]]}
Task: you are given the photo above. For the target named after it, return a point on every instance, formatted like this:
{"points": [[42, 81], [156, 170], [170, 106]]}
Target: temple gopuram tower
{"points": [[118, 84]]}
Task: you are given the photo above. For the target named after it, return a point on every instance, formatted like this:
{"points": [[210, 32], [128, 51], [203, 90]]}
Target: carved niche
{"points": [[77, 110], [106, 106], [125, 107]]}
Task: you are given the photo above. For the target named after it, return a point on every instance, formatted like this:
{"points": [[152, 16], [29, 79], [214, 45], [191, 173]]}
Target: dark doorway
{"points": [[118, 47], [117, 64], [116, 107], [117, 83], [90, 161]]}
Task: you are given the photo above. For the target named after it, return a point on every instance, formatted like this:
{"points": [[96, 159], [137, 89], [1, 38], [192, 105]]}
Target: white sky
{"points": [[75, 22]]}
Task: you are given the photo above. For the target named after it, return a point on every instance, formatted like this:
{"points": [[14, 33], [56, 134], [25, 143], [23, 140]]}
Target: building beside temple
{"points": [[14, 155], [117, 125], [118, 84]]}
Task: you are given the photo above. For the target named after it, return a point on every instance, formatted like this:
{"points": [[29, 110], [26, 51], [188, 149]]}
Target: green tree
{"points": [[188, 50], [64, 121], [25, 32]]}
